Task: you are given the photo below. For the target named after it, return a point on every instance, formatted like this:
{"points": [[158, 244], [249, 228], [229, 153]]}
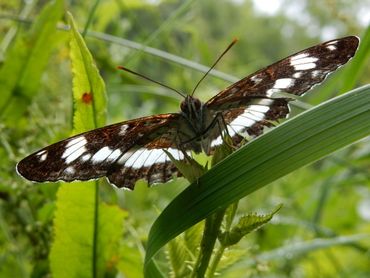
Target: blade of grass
{"points": [[297, 142], [25, 62], [299, 249]]}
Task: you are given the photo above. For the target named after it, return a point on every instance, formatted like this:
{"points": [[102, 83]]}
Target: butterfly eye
{"points": [[197, 103], [184, 106]]}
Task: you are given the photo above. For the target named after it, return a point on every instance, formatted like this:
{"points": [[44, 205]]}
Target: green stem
{"points": [[215, 261], [230, 215], [95, 235], [89, 19], [211, 231]]}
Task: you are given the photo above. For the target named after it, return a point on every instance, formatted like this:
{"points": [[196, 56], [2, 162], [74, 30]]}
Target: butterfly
{"points": [[139, 149]]}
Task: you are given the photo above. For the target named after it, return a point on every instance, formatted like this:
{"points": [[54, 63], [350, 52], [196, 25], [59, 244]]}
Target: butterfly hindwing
{"points": [[124, 152]]}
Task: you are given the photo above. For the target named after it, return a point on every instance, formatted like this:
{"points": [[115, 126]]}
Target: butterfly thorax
{"points": [[199, 120]]}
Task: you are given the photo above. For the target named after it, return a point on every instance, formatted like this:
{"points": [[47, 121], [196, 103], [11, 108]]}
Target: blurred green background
{"points": [[174, 42]]}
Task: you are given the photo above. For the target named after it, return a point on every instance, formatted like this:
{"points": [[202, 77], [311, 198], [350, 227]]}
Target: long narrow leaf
{"points": [[297, 142], [25, 62], [299, 249]]}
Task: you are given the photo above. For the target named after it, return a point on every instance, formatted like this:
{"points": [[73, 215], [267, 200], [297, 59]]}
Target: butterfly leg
{"points": [[224, 131]]}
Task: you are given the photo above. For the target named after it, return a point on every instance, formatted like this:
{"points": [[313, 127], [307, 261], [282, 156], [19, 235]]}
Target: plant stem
{"points": [[96, 230], [230, 215], [215, 261], [211, 231]]}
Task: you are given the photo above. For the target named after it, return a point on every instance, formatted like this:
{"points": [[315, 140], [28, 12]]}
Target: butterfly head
{"points": [[191, 107]]}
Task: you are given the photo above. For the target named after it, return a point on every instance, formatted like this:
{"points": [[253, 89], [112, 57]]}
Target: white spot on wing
{"points": [[154, 156], [114, 155], [303, 63], [75, 141], [123, 130], [126, 156], [73, 156], [256, 79], [305, 66], [216, 142], [77, 144], [284, 83], [101, 155], [258, 108], [332, 42], [70, 170], [86, 157], [299, 56], [176, 154], [271, 92], [297, 74], [242, 120], [41, 152], [136, 159], [43, 157], [315, 73], [331, 47]]}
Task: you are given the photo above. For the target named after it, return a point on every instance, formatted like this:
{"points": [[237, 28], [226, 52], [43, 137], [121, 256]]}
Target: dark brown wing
{"points": [[295, 74], [123, 152], [253, 102]]}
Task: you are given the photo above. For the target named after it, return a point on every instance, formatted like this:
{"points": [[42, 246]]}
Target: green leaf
{"points": [[294, 144], [179, 257], [74, 226], [25, 62], [111, 220], [86, 233], [88, 86], [246, 224], [182, 250]]}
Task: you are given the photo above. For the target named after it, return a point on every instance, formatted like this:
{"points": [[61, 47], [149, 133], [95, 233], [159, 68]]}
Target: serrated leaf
{"points": [[88, 87], [86, 233], [179, 257], [246, 224], [25, 62], [296, 143], [193, 236]]}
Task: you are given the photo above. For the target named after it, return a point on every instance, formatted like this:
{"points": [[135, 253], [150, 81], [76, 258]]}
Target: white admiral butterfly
{"points": [[133, 150]]}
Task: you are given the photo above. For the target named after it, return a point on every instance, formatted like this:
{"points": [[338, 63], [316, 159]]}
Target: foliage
{"points": [[90, 229]]}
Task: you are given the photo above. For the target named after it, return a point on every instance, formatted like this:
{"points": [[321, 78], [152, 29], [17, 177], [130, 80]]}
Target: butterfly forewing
{"points": [[124, 152], [295, 74], [253, 102]]}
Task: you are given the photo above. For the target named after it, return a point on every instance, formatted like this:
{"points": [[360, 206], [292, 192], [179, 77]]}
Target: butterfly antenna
{"points": [[235, 40], [149, 79]]}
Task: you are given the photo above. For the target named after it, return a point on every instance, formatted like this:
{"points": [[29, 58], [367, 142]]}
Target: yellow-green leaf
{"points": [[246, 224]]}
